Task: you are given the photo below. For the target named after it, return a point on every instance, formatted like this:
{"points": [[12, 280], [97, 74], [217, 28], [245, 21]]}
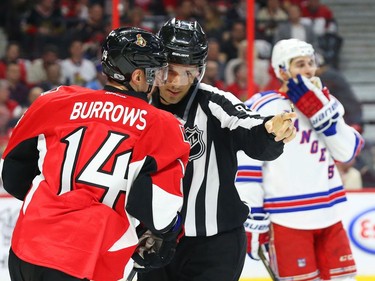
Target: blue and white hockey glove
{"points": [[257, 228], [315, 103]]}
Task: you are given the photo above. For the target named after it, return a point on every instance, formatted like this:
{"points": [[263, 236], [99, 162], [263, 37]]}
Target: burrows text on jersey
{"points": [[111, 112]]}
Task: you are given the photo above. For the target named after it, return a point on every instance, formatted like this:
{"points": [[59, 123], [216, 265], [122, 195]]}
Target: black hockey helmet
{"points": [[185, 42], [129, 48]]}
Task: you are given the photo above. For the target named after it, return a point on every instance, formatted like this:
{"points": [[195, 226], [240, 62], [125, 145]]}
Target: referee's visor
{"points": [[185, 74], [156, 76]]}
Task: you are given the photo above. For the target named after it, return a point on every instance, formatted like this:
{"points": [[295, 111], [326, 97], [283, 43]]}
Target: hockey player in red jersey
{"points": [[300, 193], [90, 165]]}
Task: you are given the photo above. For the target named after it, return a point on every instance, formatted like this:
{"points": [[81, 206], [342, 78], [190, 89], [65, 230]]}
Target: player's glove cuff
{"points": [[257, 223], [158, 249], [324, 121], [257, 227]]}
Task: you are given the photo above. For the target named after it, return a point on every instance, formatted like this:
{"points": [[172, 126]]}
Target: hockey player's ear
{"points": [[136, 76], [284, 74]]}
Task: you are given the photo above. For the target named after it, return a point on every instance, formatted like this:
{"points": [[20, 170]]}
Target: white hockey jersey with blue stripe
{"points": [[302, 188]]}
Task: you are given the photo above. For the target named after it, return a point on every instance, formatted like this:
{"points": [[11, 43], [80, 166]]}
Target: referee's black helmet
{"points": [[185, 42]]}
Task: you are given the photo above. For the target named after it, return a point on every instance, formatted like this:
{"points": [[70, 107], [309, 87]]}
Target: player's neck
{"points": [[283, 88], [117, 85]]}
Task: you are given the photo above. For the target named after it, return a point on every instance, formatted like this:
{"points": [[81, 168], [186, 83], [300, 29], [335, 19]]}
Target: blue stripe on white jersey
{"points": [[305, 202], [248, 173], [261, 99]]}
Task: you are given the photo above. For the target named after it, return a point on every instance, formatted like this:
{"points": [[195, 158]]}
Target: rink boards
{"points": [[358, 218]]}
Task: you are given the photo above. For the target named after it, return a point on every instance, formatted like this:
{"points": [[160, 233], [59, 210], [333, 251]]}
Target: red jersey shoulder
{"points": [[62, 92], [167, 120], [164, 118]]}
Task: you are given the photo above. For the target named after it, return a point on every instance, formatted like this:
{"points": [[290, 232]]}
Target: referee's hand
{"points": [[282, 126]]}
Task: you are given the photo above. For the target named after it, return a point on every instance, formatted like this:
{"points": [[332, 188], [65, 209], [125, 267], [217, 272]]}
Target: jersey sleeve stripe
{"points": [[305, 202], [249, 174], [249, 168], [268, 97], [305, 208]]}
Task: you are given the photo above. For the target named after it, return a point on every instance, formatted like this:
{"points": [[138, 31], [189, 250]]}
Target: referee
{"points": [[217, 125]]}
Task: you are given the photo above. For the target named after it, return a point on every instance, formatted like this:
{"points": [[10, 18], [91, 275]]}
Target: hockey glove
{"points": [[315, 103], [256, 227], [145, 244], [158, 249]]}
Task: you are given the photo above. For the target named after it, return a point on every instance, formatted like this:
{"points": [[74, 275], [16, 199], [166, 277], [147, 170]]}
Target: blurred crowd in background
{"points": [[47, 43]]}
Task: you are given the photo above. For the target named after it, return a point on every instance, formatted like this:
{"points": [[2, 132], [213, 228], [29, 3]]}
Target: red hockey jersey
{"points": [[89, 166]]}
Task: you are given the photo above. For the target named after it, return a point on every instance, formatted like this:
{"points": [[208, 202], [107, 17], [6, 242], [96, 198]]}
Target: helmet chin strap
{"points": [[149, 88], [163, 99]]}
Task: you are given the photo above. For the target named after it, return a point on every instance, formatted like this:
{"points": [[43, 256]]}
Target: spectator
{"points": [[325, 27], [43, 25], [14, 109], [268, 18], [241, 57], [212, 22], [262, 77], [38, 68], [350, 176], [74, 11], [231, 43], [34, 93], [215, 54], [295, 28], [169, 7], [184, 10], [199, 9], [287, 3], [53, 77], [233, 11], [239, 87], [91, 31], [211, 75], [319, 16], [77, 70], [13, 55], [365, 163], [10, 112], [339, 86], [18, 89], [4, 128], [100, 80], [330, 47], [3, 42], [342, 89], [136, 17]]}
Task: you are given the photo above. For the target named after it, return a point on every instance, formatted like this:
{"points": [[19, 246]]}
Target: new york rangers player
{"points": [[299, 194]]}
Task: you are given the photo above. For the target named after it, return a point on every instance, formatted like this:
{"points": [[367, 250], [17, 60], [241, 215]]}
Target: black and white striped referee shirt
{"points": [[217, 125]]}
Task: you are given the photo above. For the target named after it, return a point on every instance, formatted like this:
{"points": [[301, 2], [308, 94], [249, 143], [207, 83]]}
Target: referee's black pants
{"points": [[215, 258], [20, 270]]}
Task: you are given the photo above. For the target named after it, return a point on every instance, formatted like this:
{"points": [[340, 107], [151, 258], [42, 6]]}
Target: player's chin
{"points": [[169, 99]]}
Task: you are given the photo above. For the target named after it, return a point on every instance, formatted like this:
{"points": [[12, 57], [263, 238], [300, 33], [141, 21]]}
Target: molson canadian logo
{"points": [[362, 231]]}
